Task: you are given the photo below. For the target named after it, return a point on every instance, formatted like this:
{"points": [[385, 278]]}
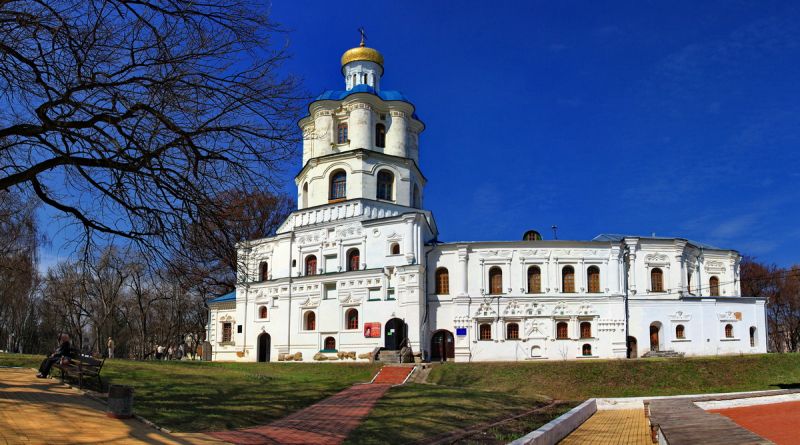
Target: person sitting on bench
{"points": [[63, 350]]}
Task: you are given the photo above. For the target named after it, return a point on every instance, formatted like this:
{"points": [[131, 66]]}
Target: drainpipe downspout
{"points": [[289, 320], [626, 267]]}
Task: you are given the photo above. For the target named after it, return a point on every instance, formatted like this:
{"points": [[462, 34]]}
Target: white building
{"points": [[358, 266]]}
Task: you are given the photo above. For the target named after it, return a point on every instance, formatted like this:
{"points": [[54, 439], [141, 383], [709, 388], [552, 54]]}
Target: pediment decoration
{"points": [[656, 258], [513, 308], [680, 316], [349, 231], [226, 319], [394, 237], [714, 266], [314, 237], [310, 303], [727, 316], [561, 309], [534, 328], [586, 309], [485, 310], [350, 299], [504, 254], [534, 253]]}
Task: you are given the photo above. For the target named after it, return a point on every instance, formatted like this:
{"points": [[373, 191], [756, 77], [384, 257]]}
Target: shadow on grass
{"points": [[415, 413]]}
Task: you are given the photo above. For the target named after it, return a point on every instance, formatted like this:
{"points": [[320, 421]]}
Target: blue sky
{"points": [[674, 118]]}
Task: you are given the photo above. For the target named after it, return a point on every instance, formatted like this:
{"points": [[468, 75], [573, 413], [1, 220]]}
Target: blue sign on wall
{"points": [[461, 331]]}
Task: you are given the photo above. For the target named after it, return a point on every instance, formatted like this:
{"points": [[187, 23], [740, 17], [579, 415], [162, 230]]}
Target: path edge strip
{"points": [[560, 427]]}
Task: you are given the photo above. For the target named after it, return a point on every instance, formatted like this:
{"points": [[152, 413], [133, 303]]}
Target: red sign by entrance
{"points": [[372, 330]]}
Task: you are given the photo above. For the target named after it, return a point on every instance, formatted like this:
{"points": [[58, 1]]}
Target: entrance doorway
{"points": [[264, 344], [395, 334], [442, 346], [655, 330], [633, 347]]}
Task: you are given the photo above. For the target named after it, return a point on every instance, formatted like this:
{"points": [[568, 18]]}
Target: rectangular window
{"points": [[238, 329], [330, 292], [341, 134], [374, 295], [390, 294], [226, 332]]}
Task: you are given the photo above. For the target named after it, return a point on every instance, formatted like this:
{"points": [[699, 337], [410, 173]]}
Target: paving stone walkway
{"points": [[42, 411], [313, 425], [325, 423], [621, 427]]}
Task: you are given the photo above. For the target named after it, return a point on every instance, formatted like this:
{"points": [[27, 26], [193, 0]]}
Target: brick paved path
{"points": [[42, 411], [621, 427], [325, 423]]}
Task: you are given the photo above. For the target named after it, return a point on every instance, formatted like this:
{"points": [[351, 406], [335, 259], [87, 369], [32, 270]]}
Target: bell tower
{"points": [[361, 142]]}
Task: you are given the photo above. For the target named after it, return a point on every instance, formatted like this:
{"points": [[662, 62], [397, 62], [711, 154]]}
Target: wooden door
{"points": [[654, 338]]}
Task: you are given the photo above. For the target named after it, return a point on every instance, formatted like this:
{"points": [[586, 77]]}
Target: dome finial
{"points": [[363, 36]]}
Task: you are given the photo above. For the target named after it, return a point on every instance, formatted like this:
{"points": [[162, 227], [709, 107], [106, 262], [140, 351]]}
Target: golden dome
{"points": [[361, 52]]}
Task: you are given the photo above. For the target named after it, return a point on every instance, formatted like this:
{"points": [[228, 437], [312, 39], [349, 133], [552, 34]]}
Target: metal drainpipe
{"points": [[626, 266], [289, 321]]}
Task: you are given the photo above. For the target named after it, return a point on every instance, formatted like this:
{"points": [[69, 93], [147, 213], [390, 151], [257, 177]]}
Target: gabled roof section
{"points": [[224, 298], [616, 237]]}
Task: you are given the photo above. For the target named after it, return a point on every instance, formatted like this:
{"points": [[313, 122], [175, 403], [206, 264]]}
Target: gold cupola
{"points": [[362, 53]]}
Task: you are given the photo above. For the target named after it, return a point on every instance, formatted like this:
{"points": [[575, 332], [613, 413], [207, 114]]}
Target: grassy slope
{"points": [[201, 396], [578, 380]]}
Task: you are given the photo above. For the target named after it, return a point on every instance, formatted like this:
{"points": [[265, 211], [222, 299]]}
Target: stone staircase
{"points": [[386, 356], [393, 375], [662, 354]]}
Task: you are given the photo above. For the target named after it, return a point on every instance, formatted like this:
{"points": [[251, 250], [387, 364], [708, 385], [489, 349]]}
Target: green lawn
{"points": [[202, 396], [579, 380]]}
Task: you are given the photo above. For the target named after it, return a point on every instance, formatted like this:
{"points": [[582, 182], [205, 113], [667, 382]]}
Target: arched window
{"points": [[512, 331], [380, 135], [353, 260], [586, 329], [394, 248], [351, 318], [485, 331], [593, 274], [330, 344], [415, 198], [341, 133], [656, 280], [586, 350], [262, 312], [713, 285], [338, 185], [442, 281], [311, 265], [728, 330], [310, 321], [568, 279], [305, 195], [534, 280], [495, 280], [752, 336], [562, 330], [689, 282], [263, 271], [531, 235], [680, 332], [385, 185]]}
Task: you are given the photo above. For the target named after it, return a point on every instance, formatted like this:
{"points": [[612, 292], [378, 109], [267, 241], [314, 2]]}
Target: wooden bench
{"points": [[81, 366]]}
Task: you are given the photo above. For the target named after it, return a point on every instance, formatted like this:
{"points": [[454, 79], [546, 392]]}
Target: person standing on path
{"points": [[110, 346], [64, 350]]}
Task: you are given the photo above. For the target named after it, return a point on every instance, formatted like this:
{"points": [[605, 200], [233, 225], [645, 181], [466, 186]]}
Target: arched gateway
{"points": [[264, 344], [442, 346]]}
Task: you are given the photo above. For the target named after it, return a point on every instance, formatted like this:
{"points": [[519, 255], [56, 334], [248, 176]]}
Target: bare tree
{"points": [[132, 116]]}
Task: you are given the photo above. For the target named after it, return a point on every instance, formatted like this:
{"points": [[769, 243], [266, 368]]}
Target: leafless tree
{"points": [[132, 116]]}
